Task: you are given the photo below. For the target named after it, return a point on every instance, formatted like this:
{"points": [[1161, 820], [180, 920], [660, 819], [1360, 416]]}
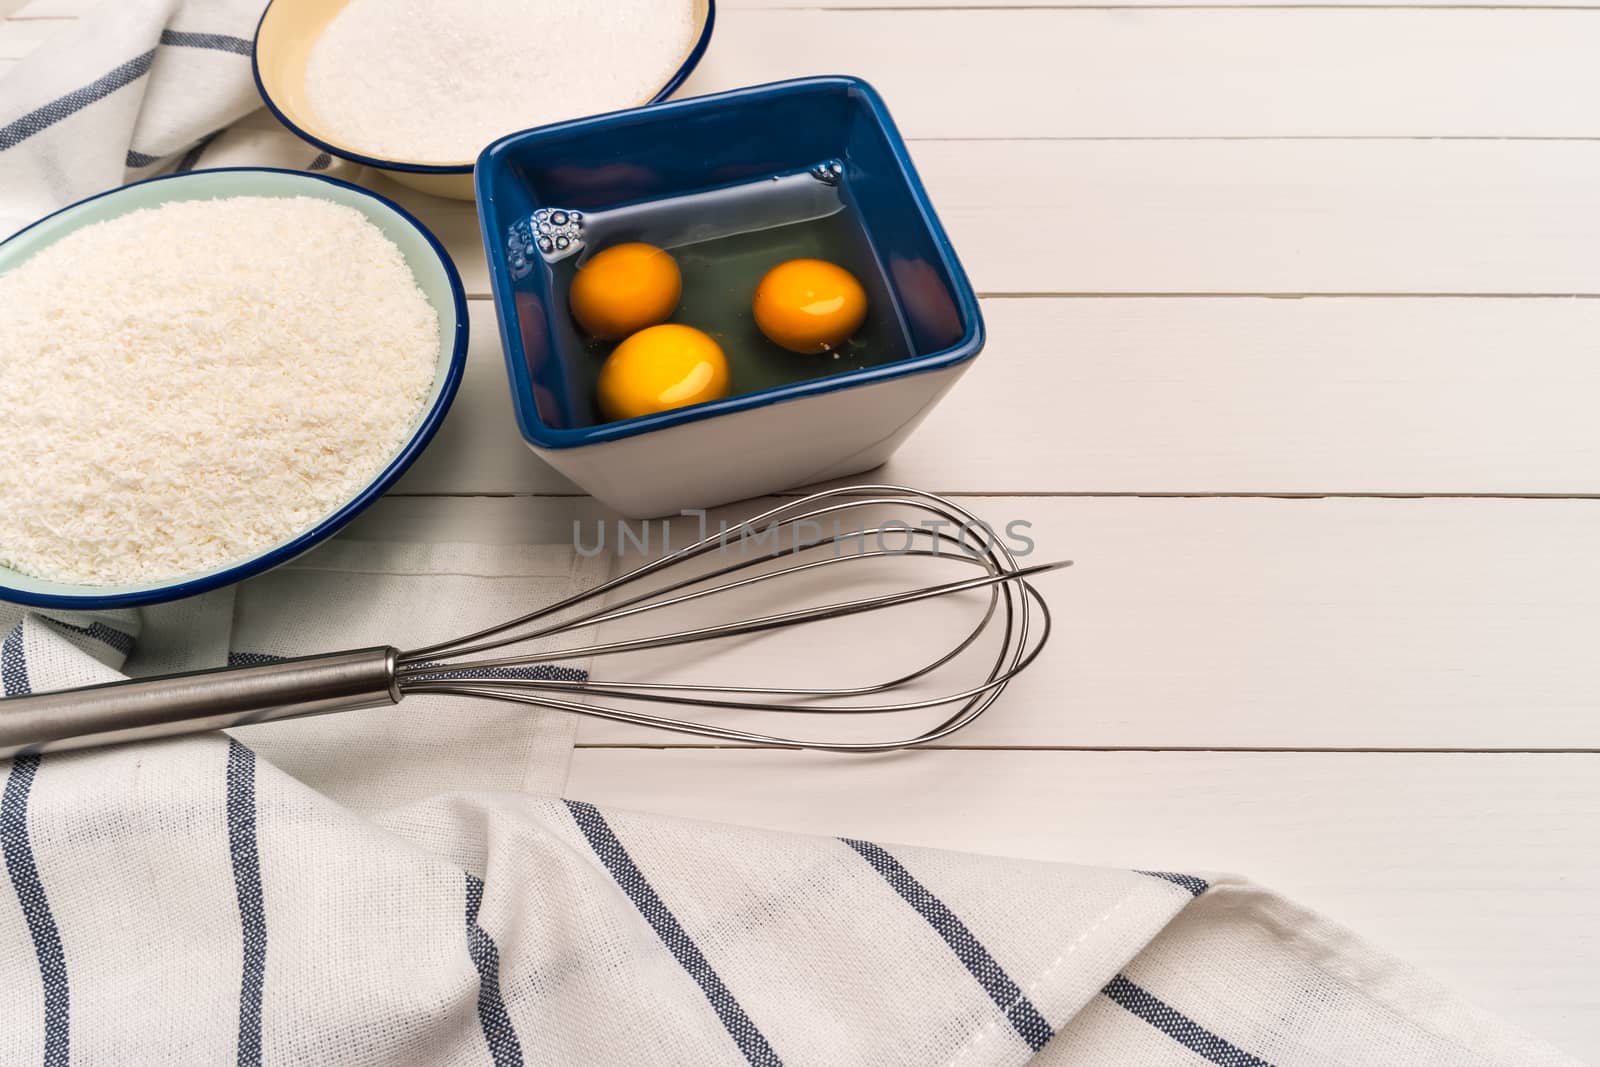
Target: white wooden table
{"points": [[1295, 347]]}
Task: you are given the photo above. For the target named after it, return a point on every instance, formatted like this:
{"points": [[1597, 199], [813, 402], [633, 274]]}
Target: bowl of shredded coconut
{"points": [[418, 88], [206, 375]]}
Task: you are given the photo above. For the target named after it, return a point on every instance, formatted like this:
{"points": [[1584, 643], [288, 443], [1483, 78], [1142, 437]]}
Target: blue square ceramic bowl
{"points": [[757, 442]]}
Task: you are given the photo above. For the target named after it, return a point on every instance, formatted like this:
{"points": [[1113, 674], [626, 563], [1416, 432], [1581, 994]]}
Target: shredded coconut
{"points": [[436, 81], [189, 385]]}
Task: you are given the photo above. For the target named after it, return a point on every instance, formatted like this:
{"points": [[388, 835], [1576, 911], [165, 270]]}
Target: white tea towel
{"points": [[125, 93], [189, 902]]}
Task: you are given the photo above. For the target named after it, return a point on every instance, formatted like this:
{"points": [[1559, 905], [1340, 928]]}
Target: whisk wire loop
{"points": [[1012, 604]]}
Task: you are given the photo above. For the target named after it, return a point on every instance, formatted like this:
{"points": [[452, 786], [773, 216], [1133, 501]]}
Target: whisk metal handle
{"points": [[197, 702]]}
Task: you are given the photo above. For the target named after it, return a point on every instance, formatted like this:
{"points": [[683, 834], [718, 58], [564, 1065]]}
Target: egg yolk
{"points": [[625, 288], [809, 305], [661, 368]]}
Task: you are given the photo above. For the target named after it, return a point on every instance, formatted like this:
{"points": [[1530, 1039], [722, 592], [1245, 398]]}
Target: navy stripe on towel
{"points": [[13, 669], [539, 672], [1006, 994], [192, 157], [252, 908], [1195, 886], [63, 107], [138, 160], [604, 841], [25, 881], [492, 1015], [253, 659], [216, 42], [110, 636], [1182, 1029], [322, 162]]}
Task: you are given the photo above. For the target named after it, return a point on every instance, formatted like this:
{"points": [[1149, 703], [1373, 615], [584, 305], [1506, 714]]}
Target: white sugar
{"points": [[189, 385], [438, 80]]}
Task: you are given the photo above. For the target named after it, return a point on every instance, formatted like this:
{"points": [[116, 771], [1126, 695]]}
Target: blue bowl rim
{"points": [[678, 78], [339, 519], [534, 430]]}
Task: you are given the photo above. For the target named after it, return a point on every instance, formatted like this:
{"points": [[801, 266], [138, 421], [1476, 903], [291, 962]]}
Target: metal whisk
{"points": [[374, 677]]}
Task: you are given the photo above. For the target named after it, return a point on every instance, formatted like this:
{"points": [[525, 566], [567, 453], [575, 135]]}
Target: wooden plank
{"points": [[1280, 217], [1483, 870], [1271, 216], [1210, 623], [1271, 396], [1194, 395], [1187, 72], [1188, 623], [726, 7]]}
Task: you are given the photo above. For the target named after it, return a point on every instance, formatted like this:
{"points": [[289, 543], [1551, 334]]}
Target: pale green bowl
{"points": [[435, 274]]}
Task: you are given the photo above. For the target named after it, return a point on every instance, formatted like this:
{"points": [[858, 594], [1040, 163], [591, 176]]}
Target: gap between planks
{"points": [[868, 478], [1243, 295], [967, 8], [1334, 750], [66, 11]]}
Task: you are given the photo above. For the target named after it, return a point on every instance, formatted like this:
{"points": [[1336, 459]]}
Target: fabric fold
{"points": [[209, 907], [123, 94]]}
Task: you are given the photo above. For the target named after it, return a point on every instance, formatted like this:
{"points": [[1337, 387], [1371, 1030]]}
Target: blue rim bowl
{"points": [[737, 123], [434, 272], [284, 112]]}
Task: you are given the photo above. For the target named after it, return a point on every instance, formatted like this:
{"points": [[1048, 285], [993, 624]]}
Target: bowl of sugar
{"points": [[207, 375], [417, 88]]}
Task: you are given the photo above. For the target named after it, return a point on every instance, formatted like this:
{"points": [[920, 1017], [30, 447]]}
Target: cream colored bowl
{"points": [[284, 38]]}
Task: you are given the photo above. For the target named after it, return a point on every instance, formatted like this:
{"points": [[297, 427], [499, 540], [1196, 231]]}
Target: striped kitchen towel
{"points": [[134, 89], [190, 902]]}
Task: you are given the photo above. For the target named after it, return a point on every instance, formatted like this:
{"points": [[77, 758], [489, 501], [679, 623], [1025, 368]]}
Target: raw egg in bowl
{"points": [[809, 305], [808, 255]]}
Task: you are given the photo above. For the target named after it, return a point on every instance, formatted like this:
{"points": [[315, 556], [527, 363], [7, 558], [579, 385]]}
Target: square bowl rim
{"points": [[453, 367], [542, 436]]}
